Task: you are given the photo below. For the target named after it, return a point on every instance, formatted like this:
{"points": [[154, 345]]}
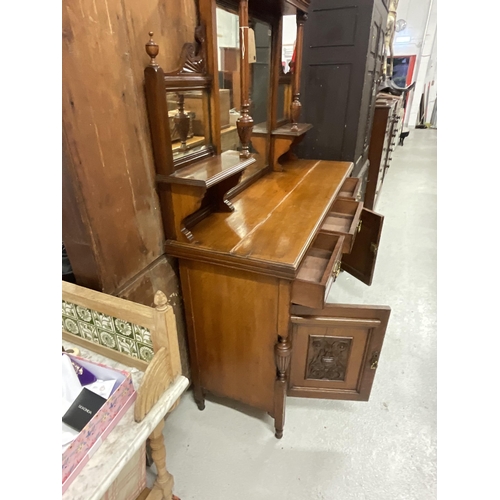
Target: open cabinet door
{"points": [[335, 350], [360, 262]]}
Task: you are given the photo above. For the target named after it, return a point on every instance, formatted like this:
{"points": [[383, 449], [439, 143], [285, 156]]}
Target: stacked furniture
{"points": [[384, 137], [261, 238], [343, 52]]}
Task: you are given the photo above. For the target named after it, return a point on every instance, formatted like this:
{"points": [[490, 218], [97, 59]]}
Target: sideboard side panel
{"points": [[234, 325]]}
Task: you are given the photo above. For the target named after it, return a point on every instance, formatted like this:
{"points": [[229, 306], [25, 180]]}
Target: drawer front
{"points": [[351, 189], [335, 354], [318, 271], [343, 219]]}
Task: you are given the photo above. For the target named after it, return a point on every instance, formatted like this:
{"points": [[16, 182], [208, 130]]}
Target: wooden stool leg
{"points": [[164, 480]]}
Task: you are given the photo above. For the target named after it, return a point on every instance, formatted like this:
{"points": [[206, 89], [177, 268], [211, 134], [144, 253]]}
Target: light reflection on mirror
{"points": [[228, 50], [228, 63], [288, 41]]}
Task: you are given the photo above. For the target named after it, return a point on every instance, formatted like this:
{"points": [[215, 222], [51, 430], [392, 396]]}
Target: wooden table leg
{"points": [[164, 480]]}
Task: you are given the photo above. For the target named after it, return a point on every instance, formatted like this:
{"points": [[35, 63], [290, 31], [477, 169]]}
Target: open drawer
{"points": [[336, 350], [343, 219], [351, 189], [318, 270]]}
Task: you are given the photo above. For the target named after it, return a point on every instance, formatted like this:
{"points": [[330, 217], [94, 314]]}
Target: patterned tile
{"points": [[122, 336]]}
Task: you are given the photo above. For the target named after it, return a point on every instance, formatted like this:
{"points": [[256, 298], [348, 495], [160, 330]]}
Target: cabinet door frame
{"points": [[361, 260], [372, 319]]}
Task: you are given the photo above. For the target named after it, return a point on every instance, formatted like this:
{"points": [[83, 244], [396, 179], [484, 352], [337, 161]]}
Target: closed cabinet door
{"points": [[336, 350]]}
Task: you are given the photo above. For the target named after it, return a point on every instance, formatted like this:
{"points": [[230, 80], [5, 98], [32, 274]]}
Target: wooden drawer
{"points": [[336, 350], [343, 220], [351, 188], [318, 271]]}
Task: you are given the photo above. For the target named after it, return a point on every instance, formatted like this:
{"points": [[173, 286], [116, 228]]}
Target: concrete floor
{"points": [[384, 449]]}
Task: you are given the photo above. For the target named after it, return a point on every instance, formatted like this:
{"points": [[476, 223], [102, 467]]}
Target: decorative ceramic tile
{"points": [[122, 336]]}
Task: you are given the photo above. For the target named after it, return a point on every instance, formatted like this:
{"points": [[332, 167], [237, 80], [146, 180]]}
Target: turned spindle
{"points": [[152, 50], [244, 123], [296, 106], [181, 120], [282, 353]]}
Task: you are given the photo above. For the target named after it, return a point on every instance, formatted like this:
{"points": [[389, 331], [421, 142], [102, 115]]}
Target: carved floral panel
{"points": [[327, 358]]}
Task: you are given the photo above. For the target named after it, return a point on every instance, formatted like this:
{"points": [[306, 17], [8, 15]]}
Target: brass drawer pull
{"points": [[374, 360], [336, 269], [359, 225]]}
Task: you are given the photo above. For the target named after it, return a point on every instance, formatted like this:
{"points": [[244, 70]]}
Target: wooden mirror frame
{"points": [[190, 75], [197, 184]]}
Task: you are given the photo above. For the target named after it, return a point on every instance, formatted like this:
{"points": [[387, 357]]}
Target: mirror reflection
{"points": [[189, 122], [288, 42], [282, 107], [260, 71], [228, 50]]}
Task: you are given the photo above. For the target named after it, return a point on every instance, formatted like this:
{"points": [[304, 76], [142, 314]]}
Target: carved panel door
{"points": [[335, 351]]}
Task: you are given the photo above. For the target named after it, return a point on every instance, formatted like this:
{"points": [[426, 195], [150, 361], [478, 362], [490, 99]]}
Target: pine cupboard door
{"points": [[360, 262], [336, 350]]}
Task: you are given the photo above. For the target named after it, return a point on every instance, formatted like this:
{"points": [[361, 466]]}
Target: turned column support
{"points": [[282, 353], [296, 106], [244, 123]]}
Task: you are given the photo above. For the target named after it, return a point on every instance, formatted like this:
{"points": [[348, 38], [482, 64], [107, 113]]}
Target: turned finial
{"points": [[160, 300], [152, 49]]}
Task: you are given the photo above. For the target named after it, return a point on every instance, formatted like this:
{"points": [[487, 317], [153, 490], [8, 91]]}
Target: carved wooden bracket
{"points": [[193, 56], [191, 72]]}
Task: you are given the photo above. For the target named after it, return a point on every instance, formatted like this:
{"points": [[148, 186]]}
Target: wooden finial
{"points": [[160, 300], [152, 49]]}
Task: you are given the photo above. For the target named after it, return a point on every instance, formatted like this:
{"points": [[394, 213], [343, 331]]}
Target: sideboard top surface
{"points": [[274, 220]]}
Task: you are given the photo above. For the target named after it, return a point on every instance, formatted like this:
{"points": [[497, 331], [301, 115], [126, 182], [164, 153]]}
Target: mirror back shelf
{"points": [[192, 180]]}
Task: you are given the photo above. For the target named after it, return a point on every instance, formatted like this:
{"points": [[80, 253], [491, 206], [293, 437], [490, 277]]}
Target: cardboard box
{"points": [[104, 421]]}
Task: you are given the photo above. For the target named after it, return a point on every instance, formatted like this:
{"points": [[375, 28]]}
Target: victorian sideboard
{"points": [[261, 235]]}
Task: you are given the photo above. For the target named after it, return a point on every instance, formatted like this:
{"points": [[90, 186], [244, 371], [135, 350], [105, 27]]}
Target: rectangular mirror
{"points": [[228, 65], [260, 72], [188, 118]]}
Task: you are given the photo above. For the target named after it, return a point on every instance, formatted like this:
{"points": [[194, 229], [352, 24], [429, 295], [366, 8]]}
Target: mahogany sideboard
{"points": [[261, 235], [255, 283]]}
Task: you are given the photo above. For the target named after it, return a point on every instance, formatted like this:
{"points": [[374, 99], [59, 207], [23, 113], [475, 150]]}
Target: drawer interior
{"points": [[340, 216], [350, 187], [318, 257]]}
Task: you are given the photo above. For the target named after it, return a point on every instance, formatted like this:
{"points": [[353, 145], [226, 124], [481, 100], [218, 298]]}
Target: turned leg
{"points": [[282, 351], [199, 397], [164, 480]]}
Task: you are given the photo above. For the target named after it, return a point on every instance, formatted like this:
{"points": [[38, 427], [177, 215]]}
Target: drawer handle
{"points": [[336, 269], [359, 225], [327, 360], [374, 360], [374, 248]]}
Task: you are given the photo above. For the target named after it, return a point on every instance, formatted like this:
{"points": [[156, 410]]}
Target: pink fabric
{"points": [[80, 451]]}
